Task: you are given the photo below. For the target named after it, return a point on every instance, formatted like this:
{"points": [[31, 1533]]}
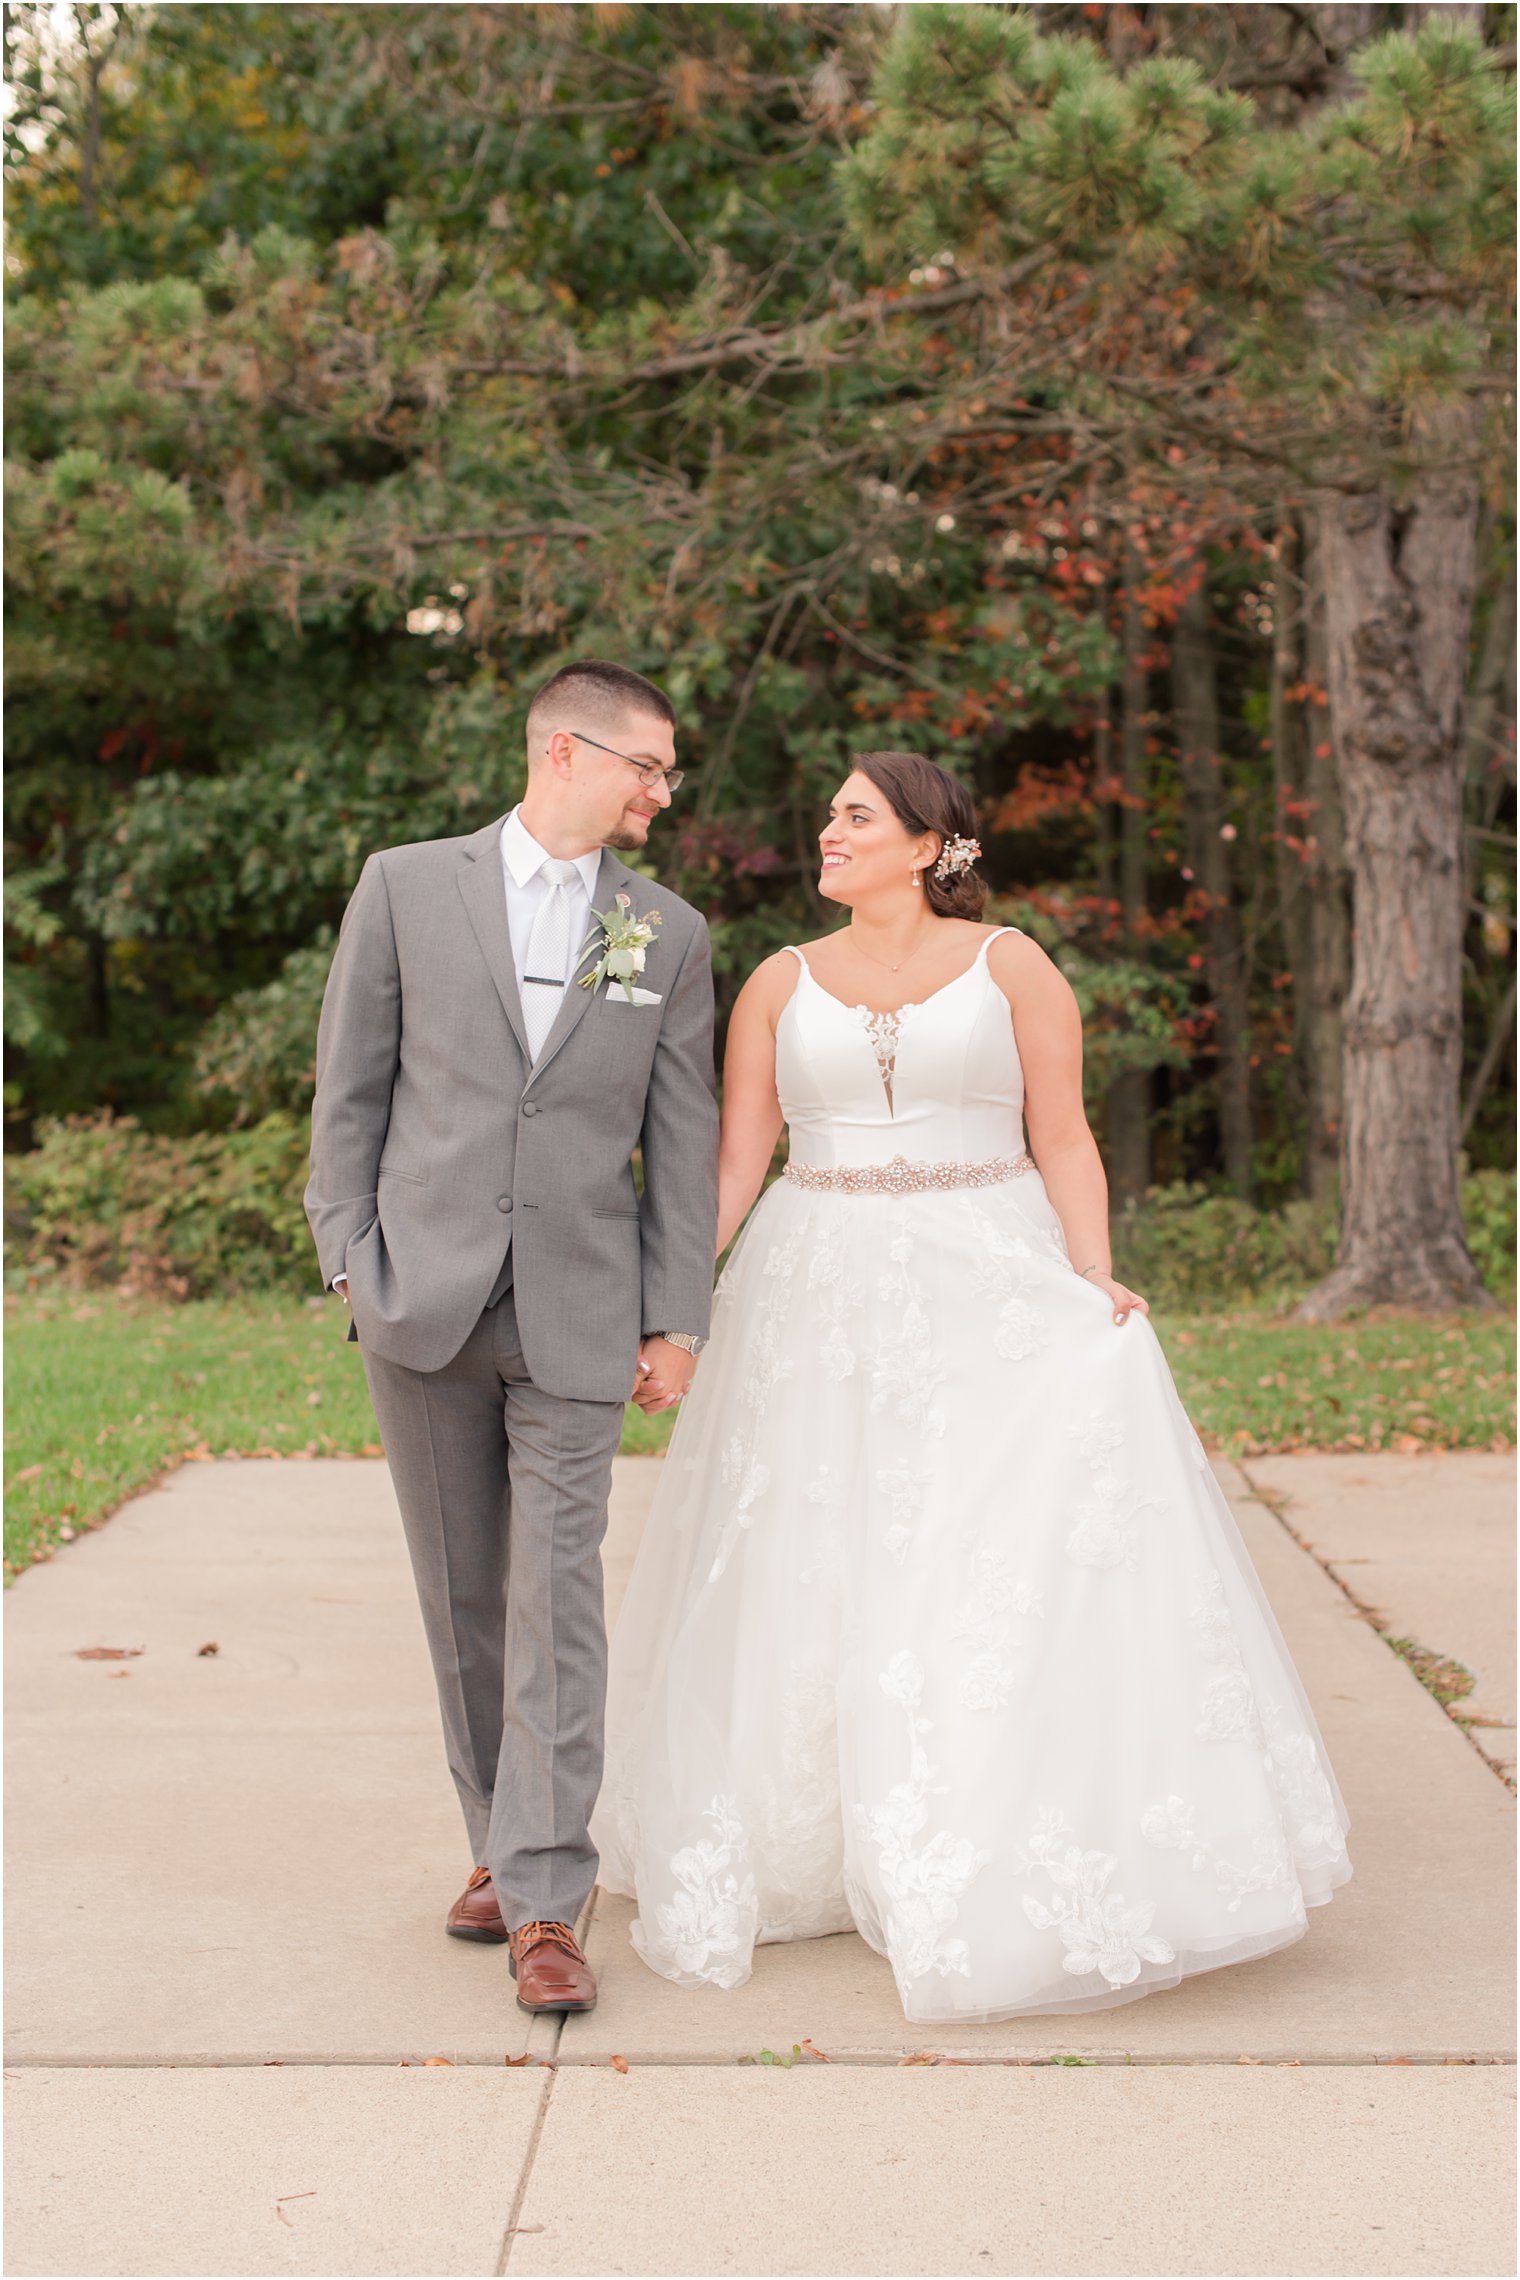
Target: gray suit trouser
{"points": [[503, 1492]]}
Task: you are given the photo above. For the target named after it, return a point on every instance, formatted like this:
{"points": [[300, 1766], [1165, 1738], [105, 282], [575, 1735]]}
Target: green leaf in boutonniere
{"points": [[624, 942]]}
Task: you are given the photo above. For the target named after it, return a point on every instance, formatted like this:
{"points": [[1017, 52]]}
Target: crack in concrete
{"points": [[1376, 1621]]}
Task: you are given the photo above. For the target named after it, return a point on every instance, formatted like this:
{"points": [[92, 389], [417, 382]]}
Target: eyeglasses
{"points": [[650, 771]]}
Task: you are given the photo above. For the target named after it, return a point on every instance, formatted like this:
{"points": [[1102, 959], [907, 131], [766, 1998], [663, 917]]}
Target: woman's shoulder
{"points": [[774, 979], [1016, 960]]}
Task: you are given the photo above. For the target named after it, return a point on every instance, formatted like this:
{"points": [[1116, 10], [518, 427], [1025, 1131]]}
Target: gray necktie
{"points": [[546, 976]]}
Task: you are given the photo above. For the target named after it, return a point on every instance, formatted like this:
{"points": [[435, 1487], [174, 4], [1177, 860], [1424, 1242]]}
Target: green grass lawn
{"points": [[104, 1396]]}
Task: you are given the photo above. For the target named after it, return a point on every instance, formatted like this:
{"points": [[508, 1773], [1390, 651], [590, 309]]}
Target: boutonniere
{"points": [[625, 942]]}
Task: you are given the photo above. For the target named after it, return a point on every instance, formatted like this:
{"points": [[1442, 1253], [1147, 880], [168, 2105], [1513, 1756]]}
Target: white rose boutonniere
{"points": [[625, 941]]}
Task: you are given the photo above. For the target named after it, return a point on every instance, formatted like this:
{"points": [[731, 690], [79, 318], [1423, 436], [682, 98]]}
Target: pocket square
{"points": [[617, 995]]}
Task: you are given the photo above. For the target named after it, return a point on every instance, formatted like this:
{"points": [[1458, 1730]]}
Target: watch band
{"points": [[685, 1339]]}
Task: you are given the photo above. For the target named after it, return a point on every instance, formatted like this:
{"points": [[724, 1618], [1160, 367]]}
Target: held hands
{"points": [[663, 1376], [1126, 1302]]}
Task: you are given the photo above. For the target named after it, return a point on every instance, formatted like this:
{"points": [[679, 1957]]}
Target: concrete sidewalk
{"points": [[229, 1873], [1429, 1553]]}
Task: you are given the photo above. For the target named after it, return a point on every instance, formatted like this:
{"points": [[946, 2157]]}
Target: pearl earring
{"points": [[916, 878]]}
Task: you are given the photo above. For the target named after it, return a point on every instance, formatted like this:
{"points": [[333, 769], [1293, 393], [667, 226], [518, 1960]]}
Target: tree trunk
{"points": [[1290, 836], [1103, 807], [98, 984], [1327, 976], [1195, 696], [1500, 1038], [1129, 1097], [1491, 702], [1398, 587]]}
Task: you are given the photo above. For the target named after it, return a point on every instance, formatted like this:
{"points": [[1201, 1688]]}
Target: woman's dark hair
{"points": [[925, 797]]}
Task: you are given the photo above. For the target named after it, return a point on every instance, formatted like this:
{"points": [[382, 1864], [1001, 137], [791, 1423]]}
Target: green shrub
{"points": [[258, 1053], [102, 1201], [1185, 1246], [1188, 1246], [1488, 1209]]}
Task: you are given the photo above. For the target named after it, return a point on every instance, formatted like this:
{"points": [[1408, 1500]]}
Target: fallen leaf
{"points": [[32, 1472], [618, 2064], [1248, 2062], [106, 1654], [210, 1648], [813, 2051], [438, 2062], [920, 2058], [372, 1449], [525, 2060]]}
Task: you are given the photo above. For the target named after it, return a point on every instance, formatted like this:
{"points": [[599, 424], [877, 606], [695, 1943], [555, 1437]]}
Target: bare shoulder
{"points": [[1022, 970], [769, 986]]}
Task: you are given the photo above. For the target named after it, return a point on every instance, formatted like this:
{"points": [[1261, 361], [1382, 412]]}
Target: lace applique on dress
{"points": [[884, 1031]]}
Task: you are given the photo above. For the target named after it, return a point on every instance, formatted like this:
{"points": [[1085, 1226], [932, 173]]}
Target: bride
{"points": [[941, 1629]]}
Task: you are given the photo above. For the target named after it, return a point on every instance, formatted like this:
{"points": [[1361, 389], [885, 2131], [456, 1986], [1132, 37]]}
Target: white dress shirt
{"points": [[522, 863]]}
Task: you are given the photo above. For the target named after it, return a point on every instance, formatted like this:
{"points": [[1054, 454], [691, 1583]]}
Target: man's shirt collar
{"points": [[524, 857]]}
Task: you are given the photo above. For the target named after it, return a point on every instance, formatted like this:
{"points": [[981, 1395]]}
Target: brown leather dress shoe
{"points": [[550, 1970], [475, 1914]]}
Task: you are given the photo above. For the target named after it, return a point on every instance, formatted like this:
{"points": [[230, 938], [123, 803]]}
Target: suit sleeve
{"points": [[358, 1052], [679, 1210]]}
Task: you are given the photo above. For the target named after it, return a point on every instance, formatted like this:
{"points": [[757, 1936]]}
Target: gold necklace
{"points": [[885, 964]]}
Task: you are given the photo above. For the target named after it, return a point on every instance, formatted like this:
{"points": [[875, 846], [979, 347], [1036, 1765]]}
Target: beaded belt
{"points": [[901, 1177]]}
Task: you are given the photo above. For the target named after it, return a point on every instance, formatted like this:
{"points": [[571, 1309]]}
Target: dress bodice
{"points": [[938, 1080]]}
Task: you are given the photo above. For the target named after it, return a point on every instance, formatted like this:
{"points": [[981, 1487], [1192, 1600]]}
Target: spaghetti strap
{"points": [[997, 933], [797, 954]]}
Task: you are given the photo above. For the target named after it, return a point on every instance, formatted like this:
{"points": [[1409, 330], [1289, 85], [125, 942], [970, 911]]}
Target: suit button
{"points": [[503, 1203], [530, 1108]]}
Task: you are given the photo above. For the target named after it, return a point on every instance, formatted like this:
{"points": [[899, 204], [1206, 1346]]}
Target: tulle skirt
{"points": [[942, 1631]]}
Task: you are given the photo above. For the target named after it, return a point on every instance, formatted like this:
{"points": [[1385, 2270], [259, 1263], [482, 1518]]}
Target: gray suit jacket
{"points": [[436, 1142]]}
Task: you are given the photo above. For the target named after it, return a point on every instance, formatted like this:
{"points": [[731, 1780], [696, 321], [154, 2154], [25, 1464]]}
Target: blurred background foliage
{"points": [[366, 364]]}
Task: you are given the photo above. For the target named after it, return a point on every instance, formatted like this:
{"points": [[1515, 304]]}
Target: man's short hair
{"points": [[594, 692]]}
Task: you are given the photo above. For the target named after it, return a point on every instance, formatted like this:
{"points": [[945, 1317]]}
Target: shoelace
{"points": [[529, 1935]]}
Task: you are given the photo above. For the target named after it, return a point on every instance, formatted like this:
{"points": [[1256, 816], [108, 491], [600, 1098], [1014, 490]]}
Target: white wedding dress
{"points": [[941, 1629]]}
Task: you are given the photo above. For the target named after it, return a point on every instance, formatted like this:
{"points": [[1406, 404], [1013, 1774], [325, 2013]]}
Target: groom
{"points": [[473, 1197]]}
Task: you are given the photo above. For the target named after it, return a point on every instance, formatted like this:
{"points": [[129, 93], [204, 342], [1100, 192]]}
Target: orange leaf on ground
{"points": [[106, 1654], [618, 2064]]}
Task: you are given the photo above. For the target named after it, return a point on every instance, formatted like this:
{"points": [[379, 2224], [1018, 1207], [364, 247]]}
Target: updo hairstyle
{"points": [[925, 797]]}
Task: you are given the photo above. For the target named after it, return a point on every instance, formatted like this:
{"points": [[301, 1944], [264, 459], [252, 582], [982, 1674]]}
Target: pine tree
{"points": [[1344, 287]]}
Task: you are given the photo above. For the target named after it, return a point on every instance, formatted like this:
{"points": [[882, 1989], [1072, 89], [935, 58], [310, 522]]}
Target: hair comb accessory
{"points": [[956, 855]]}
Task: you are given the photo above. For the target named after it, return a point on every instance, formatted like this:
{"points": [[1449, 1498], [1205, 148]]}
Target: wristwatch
{"points": [[688, 1343]]}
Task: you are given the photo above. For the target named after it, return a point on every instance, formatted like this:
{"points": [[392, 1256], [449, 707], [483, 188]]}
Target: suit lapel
{"points": [[484, 889], [610, 879]]}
